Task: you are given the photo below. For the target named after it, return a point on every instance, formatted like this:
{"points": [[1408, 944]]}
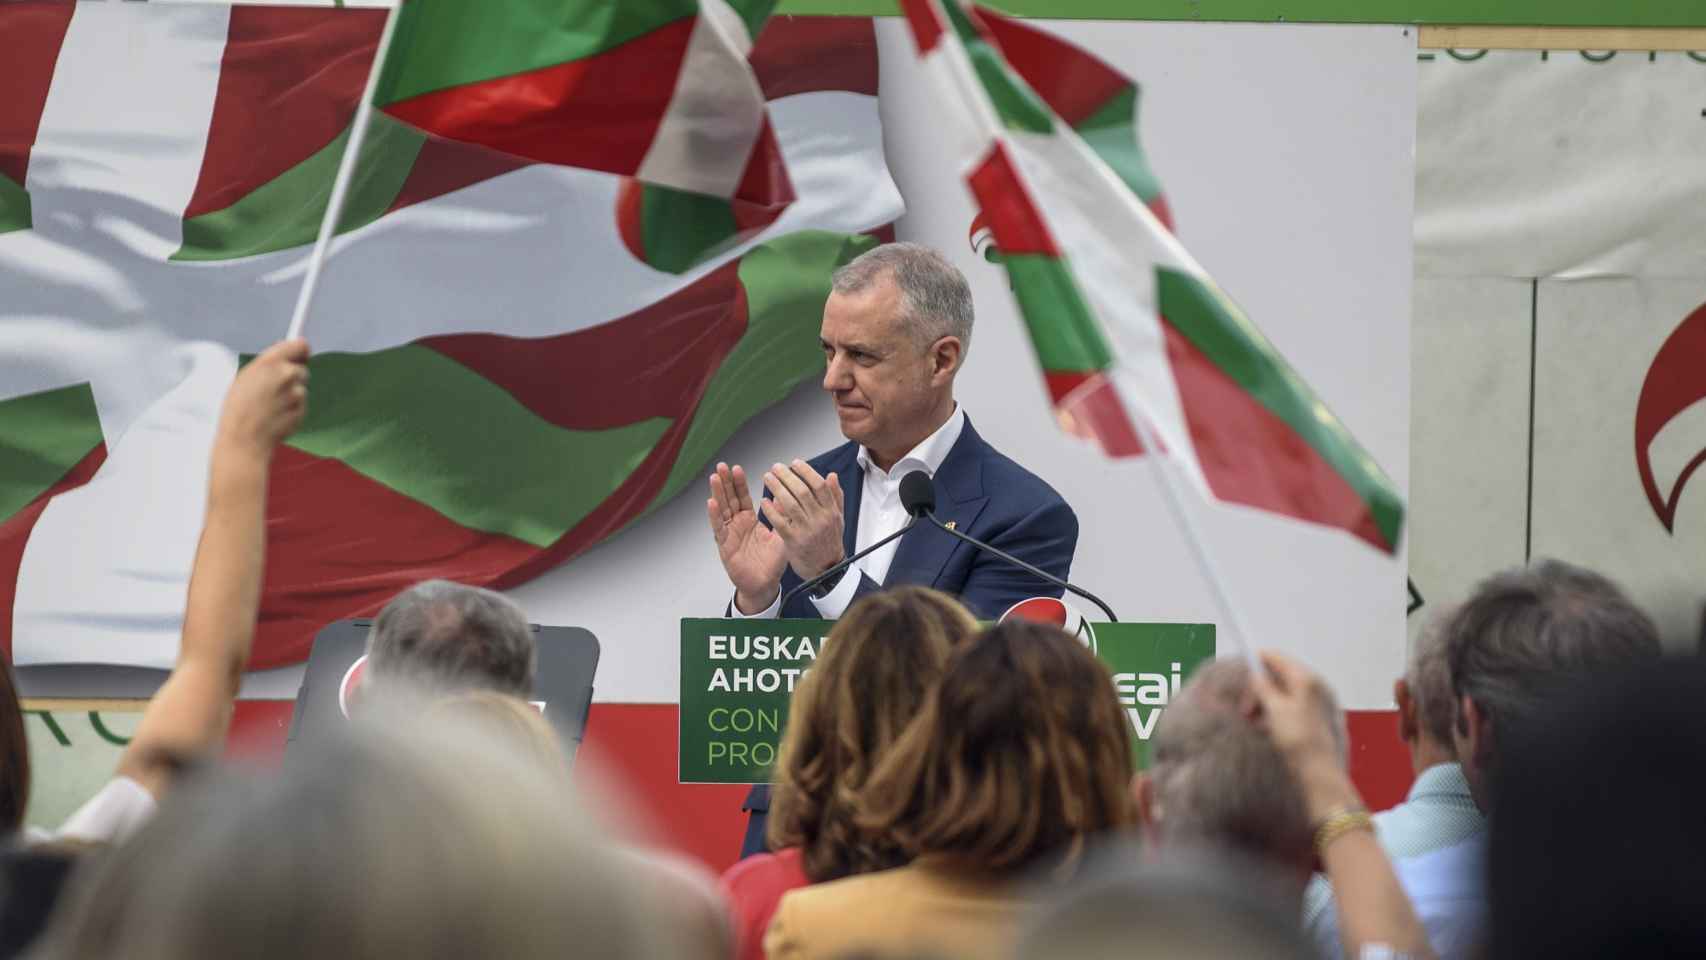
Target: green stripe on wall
{"points": [[14, 206], [681, 228], [786, 283], [1555, 13], [435, 431], [287, 210], [448, 43], [1227, 338], [42, 436]]}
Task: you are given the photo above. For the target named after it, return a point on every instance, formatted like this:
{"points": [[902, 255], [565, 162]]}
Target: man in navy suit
{"points": [[895, 332]]}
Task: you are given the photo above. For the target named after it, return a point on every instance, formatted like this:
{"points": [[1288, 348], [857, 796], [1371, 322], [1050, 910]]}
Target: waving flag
{"points": [[499, 382], [1124, 321], [664, 83]]}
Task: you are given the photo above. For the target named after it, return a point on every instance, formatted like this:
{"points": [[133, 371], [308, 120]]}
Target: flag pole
{"points": [[1164, 467], [346, 173]]}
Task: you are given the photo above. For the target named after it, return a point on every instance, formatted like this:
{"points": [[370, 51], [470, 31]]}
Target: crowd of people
{"points": [[943, 790]]}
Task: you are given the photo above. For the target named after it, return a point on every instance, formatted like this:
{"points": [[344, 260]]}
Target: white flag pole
{"points": [[1164, 468], [340, 184]]}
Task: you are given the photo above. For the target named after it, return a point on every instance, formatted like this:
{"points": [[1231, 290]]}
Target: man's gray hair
{"points": [[1221, 782], [934, 293], [1527, 632], [439, 636], [1429, 679]]}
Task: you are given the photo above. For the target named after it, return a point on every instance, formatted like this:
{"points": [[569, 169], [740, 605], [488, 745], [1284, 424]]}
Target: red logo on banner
{"points": [[1675, 382], [1056, 611]]}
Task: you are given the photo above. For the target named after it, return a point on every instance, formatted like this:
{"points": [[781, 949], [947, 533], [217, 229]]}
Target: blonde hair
{"points": [[375, 843], [511, 720], [875, 671], [1020, 755]]}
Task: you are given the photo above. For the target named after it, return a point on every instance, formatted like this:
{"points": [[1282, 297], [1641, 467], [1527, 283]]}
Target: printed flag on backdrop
{"points": [[1125, 323], [499, 381], [664, 83]]}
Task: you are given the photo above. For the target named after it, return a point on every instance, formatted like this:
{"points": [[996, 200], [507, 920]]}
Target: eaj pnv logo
{"points": [[1056, 611], [1670, 418]]}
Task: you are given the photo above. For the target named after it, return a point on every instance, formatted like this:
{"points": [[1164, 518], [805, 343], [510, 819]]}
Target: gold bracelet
{"points": [[1340, 822]]}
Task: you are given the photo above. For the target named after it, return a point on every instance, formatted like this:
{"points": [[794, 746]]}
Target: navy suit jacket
{"points": [[986, 496]]}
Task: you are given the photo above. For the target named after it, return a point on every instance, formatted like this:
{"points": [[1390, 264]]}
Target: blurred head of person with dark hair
{"points": [[1524, 635], [14, 757], [441, 637], [1598, 841], [871, 678], [1216, 782], [376, 843], [1196, 904], [1018, 758]]}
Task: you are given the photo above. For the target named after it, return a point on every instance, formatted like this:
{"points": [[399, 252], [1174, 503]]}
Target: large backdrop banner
{"points": [[508, 391]]}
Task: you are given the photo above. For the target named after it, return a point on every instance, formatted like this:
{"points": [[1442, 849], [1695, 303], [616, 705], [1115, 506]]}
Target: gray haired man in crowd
{"points": [[1216, 781], [1524, 636], [1439, 811], [442, 637]]}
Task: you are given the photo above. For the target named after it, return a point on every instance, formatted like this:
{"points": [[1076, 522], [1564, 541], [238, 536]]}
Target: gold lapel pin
{"points": [[950, 524]]}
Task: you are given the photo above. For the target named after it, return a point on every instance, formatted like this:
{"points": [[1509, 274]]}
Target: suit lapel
{"points": [[852, 478], [924, 551]]}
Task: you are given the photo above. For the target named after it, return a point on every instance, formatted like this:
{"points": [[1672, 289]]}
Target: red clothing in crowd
{"points": [[753, 888]]}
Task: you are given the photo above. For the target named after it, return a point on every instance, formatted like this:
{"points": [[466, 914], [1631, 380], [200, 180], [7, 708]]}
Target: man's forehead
{"points": [[870, 315]]}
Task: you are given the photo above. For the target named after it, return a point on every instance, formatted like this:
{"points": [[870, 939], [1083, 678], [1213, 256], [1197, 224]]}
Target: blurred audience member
{"points": [[1018, 758], [881, 659], [191, 713], [1215, 781], [375, 843], [14, 760], [1598, 843], [439, 637], [507, 719], [1202, 906], [1438, 813], [1297, 711], [1521, 637]]}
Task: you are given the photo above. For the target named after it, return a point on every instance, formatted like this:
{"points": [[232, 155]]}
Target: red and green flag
{"points": [[499, 383], [1125, 323], [666, 85]]}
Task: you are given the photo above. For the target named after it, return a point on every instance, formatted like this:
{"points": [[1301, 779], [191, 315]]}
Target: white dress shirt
{"points": [[880, 514]]}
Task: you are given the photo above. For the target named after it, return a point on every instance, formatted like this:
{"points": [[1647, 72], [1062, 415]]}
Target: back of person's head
{"points": [[1202, 906], [14, 757], [1598, 843], [880, 661], [1522, 636], [1216, 781], [440, 637], [375, 843], [1019, 756], [508, 719], [1426, 705]]}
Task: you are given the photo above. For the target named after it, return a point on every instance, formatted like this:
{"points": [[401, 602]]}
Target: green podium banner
{"points": [[737, 676]]}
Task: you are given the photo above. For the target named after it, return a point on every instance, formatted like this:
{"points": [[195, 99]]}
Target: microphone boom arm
{"points": [[843, 565], [1051, 578]]}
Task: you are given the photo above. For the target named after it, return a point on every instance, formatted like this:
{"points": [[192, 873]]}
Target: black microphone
{"points": [[907, 482], [920, 501]]}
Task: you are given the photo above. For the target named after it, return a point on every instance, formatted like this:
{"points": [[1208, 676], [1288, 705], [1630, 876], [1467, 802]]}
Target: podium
{"points": [[568, 659], [737, 675]]}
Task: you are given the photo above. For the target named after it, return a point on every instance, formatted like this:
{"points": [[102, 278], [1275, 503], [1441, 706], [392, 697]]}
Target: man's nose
{"points": [[836, 375]]}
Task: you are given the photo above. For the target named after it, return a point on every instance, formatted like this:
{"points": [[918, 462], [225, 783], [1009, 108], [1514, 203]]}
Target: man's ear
{"points": [[1477, 735], [1408, 730], [946, 355], [1148, 807]]}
